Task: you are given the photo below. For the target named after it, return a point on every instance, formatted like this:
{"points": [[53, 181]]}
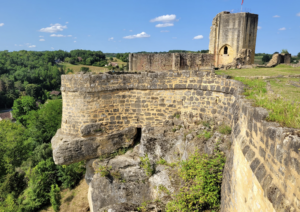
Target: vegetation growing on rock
{"points": [[202, 176]]}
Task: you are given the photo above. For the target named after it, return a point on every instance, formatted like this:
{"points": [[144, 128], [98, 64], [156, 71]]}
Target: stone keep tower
{"points": [[231, 33]]}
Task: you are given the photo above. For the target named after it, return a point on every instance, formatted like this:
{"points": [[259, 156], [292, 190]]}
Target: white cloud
{"points": [[164, 31], [20, 45], [60, 35], [75, 41], [259, 27], [283, 28], [53, 28], [32, 46], [141, 35], [57, 35], [16, 45], [42, 40], [164, 18], [130, 30], [75, 37], [165, 25], [67, 22], [52, 48], [41, 36], [1, 24], [276, 16], [298, 14], [198, 37], [111, 38]]}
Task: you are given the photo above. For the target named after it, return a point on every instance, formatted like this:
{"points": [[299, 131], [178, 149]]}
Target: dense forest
{"points": [[37, 73], [29, 179]]}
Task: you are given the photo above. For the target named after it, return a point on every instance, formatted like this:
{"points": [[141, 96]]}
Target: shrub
{"points": [[85, 69], [161, 162], [202, 175], [104, 171], [146, 165], [205, 134], [224, 129], [55, 197]]}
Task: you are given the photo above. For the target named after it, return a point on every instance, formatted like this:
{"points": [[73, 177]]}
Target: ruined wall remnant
{"points": [[98, 109], [170, 61], [102, 113], [279, 59], [230, 33]]}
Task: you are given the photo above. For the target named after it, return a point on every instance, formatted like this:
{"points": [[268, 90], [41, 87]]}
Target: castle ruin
{"points": [[103, 113], [232, 41]]}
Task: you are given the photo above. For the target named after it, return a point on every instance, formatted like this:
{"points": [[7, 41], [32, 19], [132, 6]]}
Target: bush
{"points": [[146, 165], [85, 69], [55, 197], [104, 171], [224, 129], [202, 175], [70, 175]]}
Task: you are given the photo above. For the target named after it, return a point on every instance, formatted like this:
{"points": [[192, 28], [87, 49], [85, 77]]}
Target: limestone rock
{"points": [[69, 149]]}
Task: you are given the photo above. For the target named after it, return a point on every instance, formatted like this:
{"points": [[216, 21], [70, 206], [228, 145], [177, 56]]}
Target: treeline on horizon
{"points": [[36, 73]]}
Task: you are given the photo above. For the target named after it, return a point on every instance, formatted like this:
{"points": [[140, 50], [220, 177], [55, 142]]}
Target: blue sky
{"points": [[138, 25]]}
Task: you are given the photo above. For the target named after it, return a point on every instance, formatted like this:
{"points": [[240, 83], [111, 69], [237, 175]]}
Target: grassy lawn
{"points": [[120, 62], [278, 70], [287, 88], [76, 68], [285, 107]]}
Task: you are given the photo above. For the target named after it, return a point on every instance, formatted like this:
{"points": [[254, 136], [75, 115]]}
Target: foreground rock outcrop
{"points": [[128, 185]]}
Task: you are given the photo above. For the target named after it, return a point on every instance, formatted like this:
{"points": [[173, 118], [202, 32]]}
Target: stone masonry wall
{"points": [[263, 171], [114, 102], [169, 61]]}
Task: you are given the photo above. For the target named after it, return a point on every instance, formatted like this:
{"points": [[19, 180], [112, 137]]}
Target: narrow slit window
{"points": [[226, 50]]}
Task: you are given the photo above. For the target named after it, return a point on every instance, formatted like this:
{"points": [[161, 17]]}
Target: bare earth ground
{"points": [[74, 200]]}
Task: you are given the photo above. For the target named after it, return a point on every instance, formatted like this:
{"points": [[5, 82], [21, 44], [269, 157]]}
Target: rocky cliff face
{"points": [[127, 186]]}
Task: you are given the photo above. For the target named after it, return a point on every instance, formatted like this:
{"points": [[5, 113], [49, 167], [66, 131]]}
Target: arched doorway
{"points": [[226, 55]]}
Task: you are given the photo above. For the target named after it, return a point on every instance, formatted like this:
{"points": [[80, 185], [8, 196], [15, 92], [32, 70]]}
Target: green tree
{"points": [[284, 51], [40, 179], [55, 197], [22, 107], [43, 123], [298, 55], [14, 146], [85, 69], [33, 90], [72, 60], [266, 58], [19, 85]]}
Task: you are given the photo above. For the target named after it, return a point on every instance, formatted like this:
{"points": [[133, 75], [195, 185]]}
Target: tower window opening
{"points": [[226, 50]]}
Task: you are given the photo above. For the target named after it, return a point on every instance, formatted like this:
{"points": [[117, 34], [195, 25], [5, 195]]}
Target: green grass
{"points": [[76, 68], [282, 110], [286, 89], [278, 70]]}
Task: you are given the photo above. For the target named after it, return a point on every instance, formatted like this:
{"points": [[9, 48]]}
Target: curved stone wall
{"points": [[113, 102]]}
